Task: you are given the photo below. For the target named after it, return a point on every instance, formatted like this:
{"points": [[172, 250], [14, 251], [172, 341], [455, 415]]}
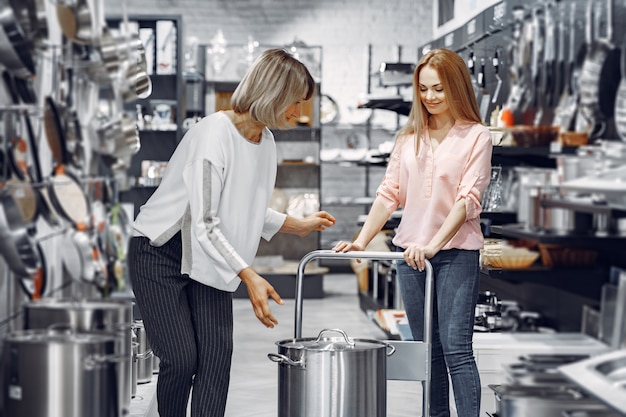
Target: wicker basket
{"points": [[558, 255]]}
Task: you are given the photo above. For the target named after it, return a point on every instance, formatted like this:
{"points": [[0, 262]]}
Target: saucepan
{"points": [[77, 22]]}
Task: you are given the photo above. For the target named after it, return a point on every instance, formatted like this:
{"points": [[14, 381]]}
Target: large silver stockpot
{"points": [[52, 373], [110, 316], [332, 376]]}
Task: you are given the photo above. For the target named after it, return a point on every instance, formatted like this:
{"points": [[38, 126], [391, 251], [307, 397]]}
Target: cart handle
{"points": [[428, 301], [330, 254]]}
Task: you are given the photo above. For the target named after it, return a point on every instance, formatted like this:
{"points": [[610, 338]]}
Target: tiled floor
{"points": [[254, 380]]}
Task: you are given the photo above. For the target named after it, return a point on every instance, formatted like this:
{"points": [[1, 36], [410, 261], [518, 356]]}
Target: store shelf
{"points": [[589, 239], [584, 282]]}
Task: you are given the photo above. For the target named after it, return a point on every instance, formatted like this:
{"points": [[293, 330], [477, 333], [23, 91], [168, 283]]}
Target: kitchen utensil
{"points": [[496, 70], [332, 375], [484, 96], [620, 96], [532, 110], [16, 49], [565, 112], [112, 317], [145, 364], [51, 373], [597, 80], [540, 401]]}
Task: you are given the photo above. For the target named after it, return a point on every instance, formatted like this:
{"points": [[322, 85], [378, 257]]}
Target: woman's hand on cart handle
{"points": [[415, 256], [344, 247], [259, 292]]}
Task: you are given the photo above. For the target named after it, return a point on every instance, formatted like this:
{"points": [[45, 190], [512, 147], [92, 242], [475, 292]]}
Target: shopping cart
{"points": [[411, 359]]}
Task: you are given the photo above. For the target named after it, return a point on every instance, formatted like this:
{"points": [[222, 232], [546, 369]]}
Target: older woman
{"points": [[196, 237]]}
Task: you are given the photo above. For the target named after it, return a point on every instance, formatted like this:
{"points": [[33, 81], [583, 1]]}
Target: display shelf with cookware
{"points": [[159, 115], [66, 148], [297, 190]]}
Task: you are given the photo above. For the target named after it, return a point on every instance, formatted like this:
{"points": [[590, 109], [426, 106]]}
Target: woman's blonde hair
{"points": [[274, 81], [457, 86]]}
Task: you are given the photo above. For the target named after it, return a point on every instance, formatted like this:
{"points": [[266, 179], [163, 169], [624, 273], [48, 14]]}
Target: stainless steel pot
{"points": [[111, 316], [144, 354], [332, 376], [70, 374], [541, 401]]}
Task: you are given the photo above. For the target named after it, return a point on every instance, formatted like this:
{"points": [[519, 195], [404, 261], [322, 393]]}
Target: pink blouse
{"points": [[428, 184]]}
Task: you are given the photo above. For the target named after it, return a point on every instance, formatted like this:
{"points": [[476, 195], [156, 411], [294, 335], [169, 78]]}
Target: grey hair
{"points": [[274, 81]]}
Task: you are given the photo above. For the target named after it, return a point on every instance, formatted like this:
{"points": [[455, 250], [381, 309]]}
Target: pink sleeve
{"points": [[476, 176], [389, 188]]}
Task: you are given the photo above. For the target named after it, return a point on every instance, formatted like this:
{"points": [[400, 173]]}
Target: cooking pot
{"points": [[144, 354], [540, 401], [523, 373], [332, 376], [528, 178], [110, 316], [51, 373]]}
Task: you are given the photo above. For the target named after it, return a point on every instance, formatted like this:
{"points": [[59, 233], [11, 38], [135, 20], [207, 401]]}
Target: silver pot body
{"points": [[49, 373], [111, 316], [145, 366], [529, 179], [331, 376]]}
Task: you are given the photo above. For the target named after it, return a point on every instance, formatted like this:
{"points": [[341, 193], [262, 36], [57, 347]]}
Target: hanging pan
{"points": [[35, 285], [65, 190], [597, 80], [77, 21], [16, 49], [620, 98]]}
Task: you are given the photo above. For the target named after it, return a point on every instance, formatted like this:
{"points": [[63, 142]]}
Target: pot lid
{"points": [[335, 343], [58, 336], [70, 304]]}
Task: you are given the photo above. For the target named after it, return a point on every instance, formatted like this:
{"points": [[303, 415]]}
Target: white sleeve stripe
{"points": [[215, 235]]}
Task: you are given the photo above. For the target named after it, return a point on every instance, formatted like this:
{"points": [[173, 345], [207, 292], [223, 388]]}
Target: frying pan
{"points": [[35, 285], [65, 190], [16, 242], [600, 69], [16, 49], [42, 201], [77, 21]]}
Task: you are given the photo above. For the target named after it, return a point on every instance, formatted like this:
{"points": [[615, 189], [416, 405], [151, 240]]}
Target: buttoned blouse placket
{"points": [[429, 164]]}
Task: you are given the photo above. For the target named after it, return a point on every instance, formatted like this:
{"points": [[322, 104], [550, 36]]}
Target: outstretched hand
{"points": [[317, 221]]}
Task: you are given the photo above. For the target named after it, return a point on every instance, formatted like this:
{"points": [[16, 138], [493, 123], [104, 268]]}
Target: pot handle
{"points": [[345, 336], [392, 347], [146, 355], [282, 359], [92, 361]]}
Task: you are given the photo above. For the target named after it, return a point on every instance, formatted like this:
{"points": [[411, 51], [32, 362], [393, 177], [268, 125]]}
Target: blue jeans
{"points": [[456, 281]]}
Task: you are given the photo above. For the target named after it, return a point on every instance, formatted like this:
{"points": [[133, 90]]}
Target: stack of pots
{"points": [[111, 318]]}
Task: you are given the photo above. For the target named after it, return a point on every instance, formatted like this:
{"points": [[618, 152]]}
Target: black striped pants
{"points": [[189, 326]]}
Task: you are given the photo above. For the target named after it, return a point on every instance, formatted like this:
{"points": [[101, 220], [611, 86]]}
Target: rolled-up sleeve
{"points": [[476, 176], [389, 189]]}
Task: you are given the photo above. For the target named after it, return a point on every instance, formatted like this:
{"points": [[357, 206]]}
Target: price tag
{"points": [[556, 146], [15, 392]]}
